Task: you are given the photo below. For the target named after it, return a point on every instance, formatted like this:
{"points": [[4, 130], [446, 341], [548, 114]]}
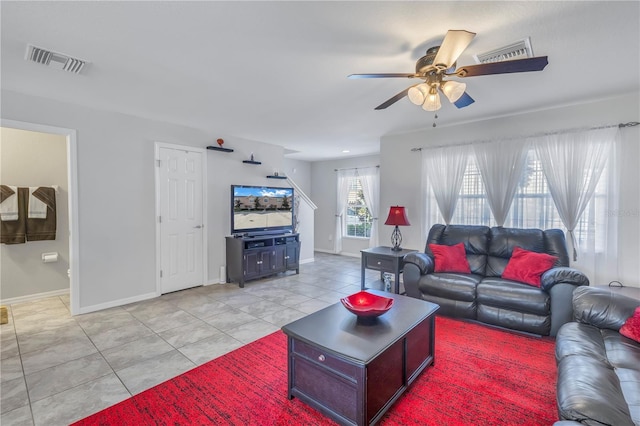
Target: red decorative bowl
{"points": [[365, 304]]}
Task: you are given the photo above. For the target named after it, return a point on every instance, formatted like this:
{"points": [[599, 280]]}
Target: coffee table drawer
{"points": [[325, 390], [379, 263], [325, 359]]}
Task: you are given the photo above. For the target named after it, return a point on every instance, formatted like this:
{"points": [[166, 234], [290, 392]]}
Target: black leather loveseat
{"points": [[482, 294], [598, 368]]}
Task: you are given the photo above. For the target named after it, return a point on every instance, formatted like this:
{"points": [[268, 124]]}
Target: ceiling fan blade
{"points": [[394, 99], [452, 47], [504, 67], [387, 75], [465, 100]]}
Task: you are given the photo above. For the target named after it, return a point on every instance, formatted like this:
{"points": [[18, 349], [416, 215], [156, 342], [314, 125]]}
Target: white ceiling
{"points": [[276, 71]]}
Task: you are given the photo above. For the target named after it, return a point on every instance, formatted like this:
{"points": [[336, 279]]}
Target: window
{"points": [[532, 206], [359, 219]]}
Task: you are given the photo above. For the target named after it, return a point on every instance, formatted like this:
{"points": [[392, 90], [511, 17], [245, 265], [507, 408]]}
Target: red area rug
{"points": [[481, 376]]}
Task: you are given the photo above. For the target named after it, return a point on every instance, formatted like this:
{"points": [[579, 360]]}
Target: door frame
{"points": [[205, 239], [72, 181]]}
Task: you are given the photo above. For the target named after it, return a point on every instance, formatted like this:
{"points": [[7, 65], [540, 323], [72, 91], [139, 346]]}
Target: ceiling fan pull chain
{"points": [[434, 119]]}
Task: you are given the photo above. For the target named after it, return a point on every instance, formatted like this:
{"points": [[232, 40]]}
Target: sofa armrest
{"points": [[562, 274], [421, 260]]}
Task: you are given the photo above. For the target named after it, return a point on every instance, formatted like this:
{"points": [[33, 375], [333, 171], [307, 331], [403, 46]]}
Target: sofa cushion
{"points": [[589, 389], [527, 266], [450, 258], [580, 339], [453, 308], [515, 320], [621, 352], [598, 375], [513, 295], [504, 240], [475, 240], [631, 327], [451, 286]]}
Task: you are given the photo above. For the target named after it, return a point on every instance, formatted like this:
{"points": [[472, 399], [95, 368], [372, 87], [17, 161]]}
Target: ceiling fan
{"points": [[439, 63]]}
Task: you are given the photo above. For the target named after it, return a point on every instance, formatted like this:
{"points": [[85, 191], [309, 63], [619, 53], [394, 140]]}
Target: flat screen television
{"points": [[261, 210]]}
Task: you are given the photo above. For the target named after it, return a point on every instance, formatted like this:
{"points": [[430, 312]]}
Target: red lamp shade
{"points": [[397, 216]]}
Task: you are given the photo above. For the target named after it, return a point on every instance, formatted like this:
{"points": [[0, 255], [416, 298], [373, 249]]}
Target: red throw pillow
{"points": [[450, 258], [631, 327], [527, 266]]}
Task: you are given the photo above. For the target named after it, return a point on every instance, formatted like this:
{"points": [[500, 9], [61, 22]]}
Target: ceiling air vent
{"points": [[518, 50], [54, 59]]}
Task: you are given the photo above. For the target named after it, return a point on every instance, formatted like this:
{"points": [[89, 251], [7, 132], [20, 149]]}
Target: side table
{"points": [[384, 259]]}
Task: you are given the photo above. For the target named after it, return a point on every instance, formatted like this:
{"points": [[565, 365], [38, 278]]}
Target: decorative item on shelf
{"points": [[276, 175], [397, 217], [251, 160], [220, 142], [367, 306]]}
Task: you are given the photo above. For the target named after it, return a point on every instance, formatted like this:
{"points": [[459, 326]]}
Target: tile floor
{"points": [[57, 368]]}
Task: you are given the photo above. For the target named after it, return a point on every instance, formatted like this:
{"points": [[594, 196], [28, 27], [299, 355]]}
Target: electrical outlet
{"points": [[330, 237]]}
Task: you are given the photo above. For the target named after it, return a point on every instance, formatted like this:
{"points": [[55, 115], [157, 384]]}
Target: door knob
{"points": [[199, 226]]}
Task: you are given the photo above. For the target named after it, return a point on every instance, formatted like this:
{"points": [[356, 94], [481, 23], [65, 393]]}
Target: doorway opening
{"points": [[70, 207]]}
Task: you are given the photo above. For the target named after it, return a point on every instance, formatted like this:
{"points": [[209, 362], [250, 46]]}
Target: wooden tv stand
{"points": [[249, 258]]}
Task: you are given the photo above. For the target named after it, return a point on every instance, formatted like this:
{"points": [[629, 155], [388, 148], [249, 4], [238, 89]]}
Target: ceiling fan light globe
{"points": [[432, 102], [415, 96], [453, 90]]}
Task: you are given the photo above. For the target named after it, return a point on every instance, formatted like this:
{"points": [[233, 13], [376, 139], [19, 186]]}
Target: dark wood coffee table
{"points": [[353, 371]]}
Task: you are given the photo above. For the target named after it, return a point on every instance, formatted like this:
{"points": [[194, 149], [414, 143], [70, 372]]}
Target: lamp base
{"points": [[396, 239]]}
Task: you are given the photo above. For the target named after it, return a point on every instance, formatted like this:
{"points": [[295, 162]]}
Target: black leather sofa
{"points": [[482, 294], [598, 368]]}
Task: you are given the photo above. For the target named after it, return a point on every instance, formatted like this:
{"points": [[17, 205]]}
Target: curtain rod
{"points": [[621, 125], [357, 168]]}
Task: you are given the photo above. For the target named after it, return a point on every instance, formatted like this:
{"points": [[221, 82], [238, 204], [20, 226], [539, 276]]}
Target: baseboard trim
{"points": [[33, 297], [350, 254], [310, 260], [114, 303], [324, 251], [342, 253]]}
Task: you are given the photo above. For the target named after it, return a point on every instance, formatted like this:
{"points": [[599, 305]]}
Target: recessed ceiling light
{"points": [[345, 151]]}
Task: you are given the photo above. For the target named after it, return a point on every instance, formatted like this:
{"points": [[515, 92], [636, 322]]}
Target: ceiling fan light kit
{"points": [[432, 101], [440, 62], [417, 94], [453, 90]]}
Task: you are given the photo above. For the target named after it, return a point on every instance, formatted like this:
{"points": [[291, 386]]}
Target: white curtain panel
{"points": [[370, 180], [445, 168], [341, 204], [572, 163], [501, 164]]}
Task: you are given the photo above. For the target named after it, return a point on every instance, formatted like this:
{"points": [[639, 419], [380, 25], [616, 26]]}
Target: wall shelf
{"points": [[276, 177], [218, 148], [251, 162]]}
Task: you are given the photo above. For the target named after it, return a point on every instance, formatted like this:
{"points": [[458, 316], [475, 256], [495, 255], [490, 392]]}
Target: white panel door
{"points": [[181, 224]]}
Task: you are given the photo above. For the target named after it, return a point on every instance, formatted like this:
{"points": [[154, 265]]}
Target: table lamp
{"points": [[397, 217]]}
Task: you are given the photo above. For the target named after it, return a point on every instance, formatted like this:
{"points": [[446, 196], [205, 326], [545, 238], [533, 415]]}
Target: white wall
{"points": [[323, 190], [116, 196], [400, 168], [300, 172], [35, 159]]}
